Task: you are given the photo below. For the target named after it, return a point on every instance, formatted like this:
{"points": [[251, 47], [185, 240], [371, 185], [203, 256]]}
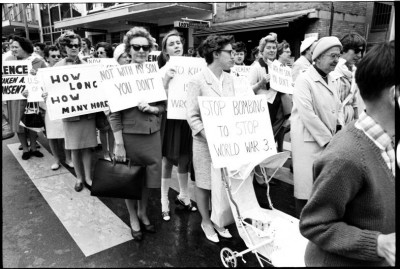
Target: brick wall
{"points": [[339, 28]]}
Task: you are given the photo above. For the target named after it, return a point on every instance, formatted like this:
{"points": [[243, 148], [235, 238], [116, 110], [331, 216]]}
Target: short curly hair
{"points": [[24, 43], [271, 37], [281, 47], [47, 50], [239, 46], [137, 32], [214, 43], [107, 48], [66, 39], [352, 41]]}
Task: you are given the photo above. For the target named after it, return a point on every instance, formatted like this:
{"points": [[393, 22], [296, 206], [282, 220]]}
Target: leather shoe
{"points": [[137, 235], [223, 232], [26, 155], [213, 238], [189, 207], [37, 153], [78, 186], [150, 228]]}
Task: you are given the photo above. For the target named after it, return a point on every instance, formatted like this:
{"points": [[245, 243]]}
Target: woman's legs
{"points": [[165, 183], [24, 141], [53, 143], [67, 152], [133, 217], [203, 199], [111, 140], [142, 206], [76, 160], [87, 164], [183, 176]]}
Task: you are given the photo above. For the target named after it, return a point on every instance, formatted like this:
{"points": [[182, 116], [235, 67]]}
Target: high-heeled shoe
{"points": [[78, 186], [150, 228], [223, 232], [213, 238], [189, 207], [137, 235]]}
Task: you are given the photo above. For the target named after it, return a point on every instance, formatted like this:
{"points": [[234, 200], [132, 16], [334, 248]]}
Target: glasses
{"points": [[229, 51], [73, 46], [138, 47], [54, 56], [100, 52], [334, 56]]}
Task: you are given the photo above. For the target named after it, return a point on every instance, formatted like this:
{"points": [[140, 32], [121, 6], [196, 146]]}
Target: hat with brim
{"points": [[324, 44], [306, 43], [118, 51]]}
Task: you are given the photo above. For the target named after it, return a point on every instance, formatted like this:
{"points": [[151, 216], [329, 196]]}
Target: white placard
{"points": [[106, 62], [281, 77], [240, 70], [185, 69], [34, 87], [13, 81], [126, 85], [73, 90], [238, 129], [153, 56]]}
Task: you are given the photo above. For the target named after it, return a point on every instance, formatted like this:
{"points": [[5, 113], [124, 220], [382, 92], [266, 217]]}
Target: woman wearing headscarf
{"points": [[177, 137], [137, 136], [22, 49], [211, 81], [314, 116]]}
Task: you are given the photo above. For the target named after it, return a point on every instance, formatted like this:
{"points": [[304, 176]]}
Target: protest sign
{"points": [[153, 56], [126, 85], [238, 129], [185, 69], [281, 78], [240, 70], [106, 62], [73, 90], [13, 79], [34, 87]]}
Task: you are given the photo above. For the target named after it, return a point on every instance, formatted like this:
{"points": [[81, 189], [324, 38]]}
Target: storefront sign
{"points": [[281, 78], [190, 24], [13, 81], [238, 129], [185, 69], [73, 90], [126, 85]]}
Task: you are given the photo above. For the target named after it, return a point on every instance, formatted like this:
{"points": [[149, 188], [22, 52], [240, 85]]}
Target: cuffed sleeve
{"points": [[193, 115]]}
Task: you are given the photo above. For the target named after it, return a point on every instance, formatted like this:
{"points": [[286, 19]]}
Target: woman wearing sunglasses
{"points": [[177, 137], [103, 50], [80, 131], [137, 136]]}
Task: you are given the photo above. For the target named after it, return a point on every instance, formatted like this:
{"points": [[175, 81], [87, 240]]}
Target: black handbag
{"points": [[32, 118], [118, 179]]}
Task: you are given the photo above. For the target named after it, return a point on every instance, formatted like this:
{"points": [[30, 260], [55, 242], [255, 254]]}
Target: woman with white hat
{"points": [[304, 61], [314, 115]]}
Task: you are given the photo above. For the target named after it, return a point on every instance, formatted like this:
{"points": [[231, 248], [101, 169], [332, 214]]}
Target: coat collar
{"points": [[315, 76], [211, 81]]}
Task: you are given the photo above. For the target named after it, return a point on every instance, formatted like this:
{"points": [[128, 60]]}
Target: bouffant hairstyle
{"points": [[239, 46], [88, 42], [164, 57], [24, 43], [137, 32], [107, 48], [271, 37], [47, 50], [376, 71], [40, 45], [214, 43], [281, 47], [352, 41], [66, 39]]}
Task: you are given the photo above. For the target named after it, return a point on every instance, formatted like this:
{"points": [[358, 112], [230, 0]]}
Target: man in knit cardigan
{"points": [[350, 217]]}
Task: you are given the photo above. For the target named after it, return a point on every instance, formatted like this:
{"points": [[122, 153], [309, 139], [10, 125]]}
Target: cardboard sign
{"points": [[281, 78], [13, 79], [240, 70], [73, 90], [153, 56], [126, 85], [238, 129], [34, 86], [106, 62], [185, 69]]}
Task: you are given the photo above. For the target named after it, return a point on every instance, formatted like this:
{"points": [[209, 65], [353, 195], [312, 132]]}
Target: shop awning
{"points": [[260, 23]]}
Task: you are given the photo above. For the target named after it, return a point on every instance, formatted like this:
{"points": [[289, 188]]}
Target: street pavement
{"points": [[47, 224]]}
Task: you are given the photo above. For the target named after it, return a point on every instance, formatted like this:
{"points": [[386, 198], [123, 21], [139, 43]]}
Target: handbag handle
{"points": [[127, 160]]}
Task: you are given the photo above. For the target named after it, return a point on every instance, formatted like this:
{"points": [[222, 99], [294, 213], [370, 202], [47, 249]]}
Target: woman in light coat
{"points": [[314, 115]]}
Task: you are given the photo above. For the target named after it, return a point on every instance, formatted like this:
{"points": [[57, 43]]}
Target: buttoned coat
{"points": [[203, 84], [314, 119]]}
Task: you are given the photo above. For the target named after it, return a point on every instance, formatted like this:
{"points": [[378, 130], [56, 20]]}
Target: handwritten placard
{"points": [[13, 79], [240, 70], [185, 69], [106, 62], [238, 129], [126, 85], [34, 87], [281, 78], [73, 90]]}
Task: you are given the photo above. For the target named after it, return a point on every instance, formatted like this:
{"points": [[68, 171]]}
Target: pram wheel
{"points": [[228, 258]]}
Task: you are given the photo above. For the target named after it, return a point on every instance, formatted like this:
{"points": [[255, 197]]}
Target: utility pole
{"points": [[332, 15], [24, 19]]}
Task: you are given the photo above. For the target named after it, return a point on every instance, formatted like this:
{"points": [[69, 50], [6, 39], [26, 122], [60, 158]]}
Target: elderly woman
{"points": [[211, 81], [304, 61], [177, 138], [80, 131], [137, 136], [121, 56], [314, 116], [22, 49]]}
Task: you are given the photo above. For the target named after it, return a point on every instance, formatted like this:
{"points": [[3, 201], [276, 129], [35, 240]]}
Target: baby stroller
{"points": [[272, 235]]}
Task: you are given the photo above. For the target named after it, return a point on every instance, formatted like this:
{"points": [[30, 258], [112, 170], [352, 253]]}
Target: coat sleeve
{"points": [[115, 121], [193, 115], [337, 182], [303, 100]]}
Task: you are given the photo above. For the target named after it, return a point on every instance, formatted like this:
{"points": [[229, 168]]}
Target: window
{"points": [[234, 5], [381, 17]]}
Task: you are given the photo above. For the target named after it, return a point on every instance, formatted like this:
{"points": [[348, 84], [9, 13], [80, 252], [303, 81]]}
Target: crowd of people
{"points": [[340, 119]]}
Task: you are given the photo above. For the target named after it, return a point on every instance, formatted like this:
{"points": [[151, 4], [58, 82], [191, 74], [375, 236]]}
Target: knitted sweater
{"points": [[352, 202]]}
